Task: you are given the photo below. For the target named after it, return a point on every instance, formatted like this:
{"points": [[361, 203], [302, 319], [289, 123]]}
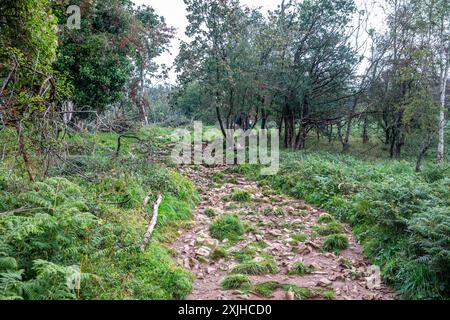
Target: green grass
{"points": [[241, 196], [325, 218], [328, 229], [236, 281], [266, 266], [335, 243], [232, 180], [219, 253], [218, 177], [328, 294], [227, 227], [245, 254], [210, 212], [300, 269], [299, 292], [266, 289], [89, 215], [299, 237], [279, 212]]}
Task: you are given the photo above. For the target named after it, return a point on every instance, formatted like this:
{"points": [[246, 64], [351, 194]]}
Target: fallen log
{"points": [[152, 224]]}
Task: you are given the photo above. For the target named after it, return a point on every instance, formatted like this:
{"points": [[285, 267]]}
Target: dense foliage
{"points": [[320, 66], [75, 166], [401, 218], [92, 227]]}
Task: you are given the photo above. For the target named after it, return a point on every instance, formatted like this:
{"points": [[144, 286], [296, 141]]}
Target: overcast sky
{"points": [[174, 11]]}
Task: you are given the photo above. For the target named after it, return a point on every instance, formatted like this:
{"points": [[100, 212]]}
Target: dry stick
{"points": [[152, 223]]}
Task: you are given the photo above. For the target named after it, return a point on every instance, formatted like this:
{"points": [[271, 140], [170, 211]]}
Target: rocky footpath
{"points": [[286, 230]]}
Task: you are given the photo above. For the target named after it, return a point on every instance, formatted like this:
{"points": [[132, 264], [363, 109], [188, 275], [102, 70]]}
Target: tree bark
{"points": [[366, 131], [264, 119], [346, 140], [143, 112], [422, 153], [441, 125], [219, 119]]}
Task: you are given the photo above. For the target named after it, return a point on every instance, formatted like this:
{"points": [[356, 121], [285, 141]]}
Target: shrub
{"points": [[226, 227], [94, 220]]}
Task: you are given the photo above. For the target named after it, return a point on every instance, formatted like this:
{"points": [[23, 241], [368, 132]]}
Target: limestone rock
{"points": [[203, 252]]}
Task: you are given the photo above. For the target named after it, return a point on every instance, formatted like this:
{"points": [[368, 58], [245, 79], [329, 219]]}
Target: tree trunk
{"points": [[264, 119], [330, 134], [422, 153], [339, 132], [288, 126], [300, 142], [280, 126], [144, 117], [346, 141], [365, 131], [441, 126], [219, 119]]}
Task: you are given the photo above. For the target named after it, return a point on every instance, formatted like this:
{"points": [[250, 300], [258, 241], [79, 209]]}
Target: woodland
{"points": [[92, 207]]}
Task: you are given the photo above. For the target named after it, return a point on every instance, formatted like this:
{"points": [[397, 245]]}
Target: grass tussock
{"points": [[236, 281], [266, 265], [227, 227], [300, 269]]}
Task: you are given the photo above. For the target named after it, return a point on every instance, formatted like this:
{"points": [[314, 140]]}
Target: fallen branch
{"points": [[152, 224]]}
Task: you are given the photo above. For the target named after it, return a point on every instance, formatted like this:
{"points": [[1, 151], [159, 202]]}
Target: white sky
{"points": [[174, 11]]}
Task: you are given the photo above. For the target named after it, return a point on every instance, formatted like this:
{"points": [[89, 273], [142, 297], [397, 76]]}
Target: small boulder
{"points": [[324, 282], [203, 252], [290, 295]]}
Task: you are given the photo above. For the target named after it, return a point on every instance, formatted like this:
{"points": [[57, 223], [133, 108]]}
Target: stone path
{"points": [[274, 225]]}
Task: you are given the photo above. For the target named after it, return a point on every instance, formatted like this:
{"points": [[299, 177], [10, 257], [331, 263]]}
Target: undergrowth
{"points": [[77, 233], [400, 217]]}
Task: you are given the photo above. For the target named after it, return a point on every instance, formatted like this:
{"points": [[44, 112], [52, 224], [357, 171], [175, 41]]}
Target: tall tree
{"points": [[443, 19]]}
